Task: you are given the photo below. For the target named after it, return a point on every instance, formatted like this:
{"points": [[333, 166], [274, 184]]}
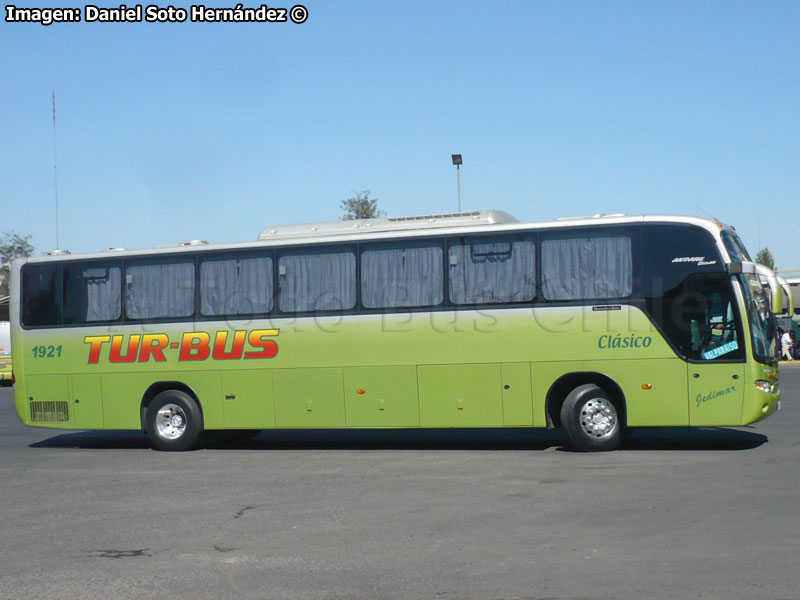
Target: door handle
{"points": [[696, 375], [230, 396], [736, 377]]}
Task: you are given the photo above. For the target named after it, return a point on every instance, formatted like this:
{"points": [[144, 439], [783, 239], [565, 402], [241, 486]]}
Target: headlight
{"points": [[764, 386]]}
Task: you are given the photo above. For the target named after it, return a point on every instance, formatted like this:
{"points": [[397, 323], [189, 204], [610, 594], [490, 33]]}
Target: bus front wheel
{"points": [[591, 419], [174, 421]]}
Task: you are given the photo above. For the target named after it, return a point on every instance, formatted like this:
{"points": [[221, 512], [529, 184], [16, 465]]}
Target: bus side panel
{"points": [[663, 403], [716, 393], [123, 393], [517, 401], [87, 401], [460, 395], [309, 398], [48, 402], [381, 396], [248, 399]]}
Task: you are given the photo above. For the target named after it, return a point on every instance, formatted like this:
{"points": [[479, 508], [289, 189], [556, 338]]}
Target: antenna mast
{"points": [[705, 211], [55, 168]]}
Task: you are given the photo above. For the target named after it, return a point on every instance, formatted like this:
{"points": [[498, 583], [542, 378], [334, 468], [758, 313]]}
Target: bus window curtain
{"points": [[486, 272], [398, 275], [587, 268], [317, 282], [236, 287], [159, 290], [103, 294]]}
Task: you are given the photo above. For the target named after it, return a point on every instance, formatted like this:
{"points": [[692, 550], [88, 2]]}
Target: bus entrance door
{"points": [[716, 392]]}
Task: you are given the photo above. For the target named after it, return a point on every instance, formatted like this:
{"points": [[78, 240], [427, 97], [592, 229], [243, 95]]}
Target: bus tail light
{"points": [[763, 385]]}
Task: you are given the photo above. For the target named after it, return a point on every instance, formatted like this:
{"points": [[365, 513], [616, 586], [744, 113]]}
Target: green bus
{"points": [[5, 353], [594, 324]]}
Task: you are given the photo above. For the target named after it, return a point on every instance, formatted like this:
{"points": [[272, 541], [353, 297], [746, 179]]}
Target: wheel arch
{"points": [[562, 386], [162, 386]]}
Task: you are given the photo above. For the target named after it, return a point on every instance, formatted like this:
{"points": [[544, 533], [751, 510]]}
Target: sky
{"points": [[177, 131]]}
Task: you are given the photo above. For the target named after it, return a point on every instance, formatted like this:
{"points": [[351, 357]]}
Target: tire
{"points": [[591, 419], [174, 422]]}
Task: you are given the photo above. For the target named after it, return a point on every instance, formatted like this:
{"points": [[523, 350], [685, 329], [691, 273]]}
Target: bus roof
{"points": [[492, 221], [435, 221]]}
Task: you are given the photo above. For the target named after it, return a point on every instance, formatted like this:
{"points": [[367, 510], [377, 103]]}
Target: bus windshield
{"points": [[762, 322], [735, 247]]}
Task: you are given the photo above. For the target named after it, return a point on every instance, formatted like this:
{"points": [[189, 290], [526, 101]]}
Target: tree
{"points": [[764, 257], [360, 206], [12, 245]]}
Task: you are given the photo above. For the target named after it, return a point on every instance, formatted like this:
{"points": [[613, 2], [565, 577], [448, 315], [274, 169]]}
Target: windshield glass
{"points": [[762, 321], [735, 247]]}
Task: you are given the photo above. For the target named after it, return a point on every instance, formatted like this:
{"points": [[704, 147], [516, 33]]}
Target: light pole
{"points": [[458, 161]]}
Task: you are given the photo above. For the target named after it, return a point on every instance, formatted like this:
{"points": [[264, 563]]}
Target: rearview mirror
{"points": [[775, 290]]}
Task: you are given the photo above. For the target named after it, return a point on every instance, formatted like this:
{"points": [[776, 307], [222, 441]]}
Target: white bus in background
{"points": [[794, 288], [790, 318], [5, 353]]}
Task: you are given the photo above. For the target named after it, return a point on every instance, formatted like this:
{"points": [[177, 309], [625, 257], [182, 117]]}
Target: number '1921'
{"points": [[47, 351]]}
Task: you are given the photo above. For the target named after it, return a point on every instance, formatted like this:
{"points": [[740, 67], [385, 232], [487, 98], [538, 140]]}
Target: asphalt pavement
{"points": [[497, 514]]}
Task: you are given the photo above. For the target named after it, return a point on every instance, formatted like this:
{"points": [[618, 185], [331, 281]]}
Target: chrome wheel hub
{"points": [[599, 418], [171, 422]]}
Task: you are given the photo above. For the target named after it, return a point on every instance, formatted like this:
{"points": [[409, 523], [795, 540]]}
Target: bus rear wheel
{"points": [[591, 419], [174, 421]]}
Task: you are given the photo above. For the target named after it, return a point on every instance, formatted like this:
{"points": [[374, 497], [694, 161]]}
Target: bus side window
{"points": [[402, 274], [92, 292], [156, 290], [698, 317], [488, 270], [41, 294], [587, 268], [321, 279], [236, 286]]}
